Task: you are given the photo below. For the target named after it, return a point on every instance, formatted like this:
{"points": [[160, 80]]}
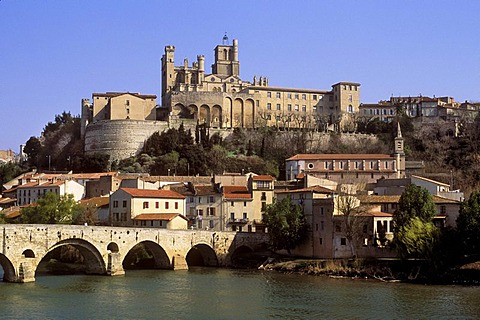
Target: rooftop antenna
{"points": [[225, 39]]}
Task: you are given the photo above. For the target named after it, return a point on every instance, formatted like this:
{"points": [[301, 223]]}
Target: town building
{"points": [[350, 168], [148, 208], [32, 191]]}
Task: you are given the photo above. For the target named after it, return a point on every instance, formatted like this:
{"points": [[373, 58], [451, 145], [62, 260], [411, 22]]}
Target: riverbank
{"points": [[387, 270]]}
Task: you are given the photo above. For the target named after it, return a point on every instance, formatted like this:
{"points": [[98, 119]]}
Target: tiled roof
{"points": [[203, 190], [263, 178], [147, 193], [158, 216], [313, 189], [340, 156], [96, 201], [396, 199], [236, 192]]}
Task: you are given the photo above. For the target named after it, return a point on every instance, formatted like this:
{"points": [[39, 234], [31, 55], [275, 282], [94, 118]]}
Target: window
{"points": [[145, 205], [296, 107], [192, 199], [443, 209], [115, 204], [304, 108], [314, 97], [304, 96], [124, 203], [151, 223], [350, 98], [320, 240], [278, 95], [386, 164], [322, 225], [310, 166], [316, 227], [289, 107], [326, 164], [257, 103], [232, 215], [278, 106], [176, 205], [350, 108], [166, 204], [296, 96], [127, 102], [245, 216], [289, 96], [157, 205], [343, 241], [211, 199], [232, 203], [211, 211], [211, 224], [269, 94], [322, 211], [264, 196], [269, 106], [314, 108], [244, 203]]}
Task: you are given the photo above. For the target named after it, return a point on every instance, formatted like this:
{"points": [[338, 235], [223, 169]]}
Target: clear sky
{"points": [[54, 53]]}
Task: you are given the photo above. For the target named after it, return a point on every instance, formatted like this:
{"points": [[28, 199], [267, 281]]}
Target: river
{"points": [[209, 293]]}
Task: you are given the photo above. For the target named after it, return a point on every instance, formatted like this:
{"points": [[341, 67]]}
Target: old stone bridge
{"points": [[105, 248]]}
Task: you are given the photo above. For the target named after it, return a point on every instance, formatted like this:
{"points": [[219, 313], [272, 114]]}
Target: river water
{"points": [[209, 293]]}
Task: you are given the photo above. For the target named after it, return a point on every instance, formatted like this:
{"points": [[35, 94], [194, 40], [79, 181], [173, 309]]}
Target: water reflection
{"points": [[210, 293]]}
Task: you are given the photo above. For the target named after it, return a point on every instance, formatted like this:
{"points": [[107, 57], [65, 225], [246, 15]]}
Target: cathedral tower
{"points": [[226, 59]]}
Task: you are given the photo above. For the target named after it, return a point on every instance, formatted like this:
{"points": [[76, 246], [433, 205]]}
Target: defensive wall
{"points": [[105, 248], [122, 139]]}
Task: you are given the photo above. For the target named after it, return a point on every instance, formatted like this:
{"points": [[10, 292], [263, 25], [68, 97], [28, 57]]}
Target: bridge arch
{"points": [[202, 255], [8, 269], [28, 253], [113, 247], [161, 260], [94, 262]]}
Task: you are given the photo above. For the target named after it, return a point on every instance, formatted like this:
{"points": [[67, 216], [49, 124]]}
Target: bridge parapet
{"points": [[105, 248]]}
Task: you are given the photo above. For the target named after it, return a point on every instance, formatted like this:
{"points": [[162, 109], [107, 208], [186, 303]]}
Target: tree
{"points": [[51, 209], [2, 219], [415, 236], [33, 149], [468, 224], [286, 224], [8, 171], [353, 216], [86, 214]]}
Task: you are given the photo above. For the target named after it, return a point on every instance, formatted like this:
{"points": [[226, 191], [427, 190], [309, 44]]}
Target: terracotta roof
{"points": [[236, 192], [396, 199], [340, 156], [263, 178], [96, 201], [147, 193], [313, 189], [7, 200], [286, 90], [378, 214], [158, 216], [202, 190], [430, 180]]}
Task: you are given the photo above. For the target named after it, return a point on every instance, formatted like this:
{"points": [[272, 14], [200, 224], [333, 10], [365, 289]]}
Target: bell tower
{"points": [[399, 153], [226, 58]]}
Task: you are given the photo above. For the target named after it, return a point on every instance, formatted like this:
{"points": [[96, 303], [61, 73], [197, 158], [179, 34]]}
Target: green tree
{"points": [[85, 214], [286, 224], [33, 149], [415, 236], [2, 219], [468, 224], [417, 239], [51, 209], [8, 171]]}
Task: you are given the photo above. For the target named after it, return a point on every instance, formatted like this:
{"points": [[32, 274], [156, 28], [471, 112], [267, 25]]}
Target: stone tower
{"points": [[399, 153], [226, 59], [168, 73]]}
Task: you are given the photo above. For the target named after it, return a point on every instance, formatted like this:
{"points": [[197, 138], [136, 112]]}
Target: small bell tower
{"points": [[399, 152]]}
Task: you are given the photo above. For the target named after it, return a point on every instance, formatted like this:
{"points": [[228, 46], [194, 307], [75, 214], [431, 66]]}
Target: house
{"points": [[238, 208], [100, 207], [148, 208], [32, 191], [447, 209], [203, 205]]}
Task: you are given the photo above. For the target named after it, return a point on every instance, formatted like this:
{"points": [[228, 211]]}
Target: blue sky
{"points": [[54, 53]]}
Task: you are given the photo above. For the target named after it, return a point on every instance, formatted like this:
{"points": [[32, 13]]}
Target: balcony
{"points": [[237, 221]]}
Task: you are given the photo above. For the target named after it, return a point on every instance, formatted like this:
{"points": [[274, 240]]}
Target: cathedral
{"points": [[221, 99]]}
